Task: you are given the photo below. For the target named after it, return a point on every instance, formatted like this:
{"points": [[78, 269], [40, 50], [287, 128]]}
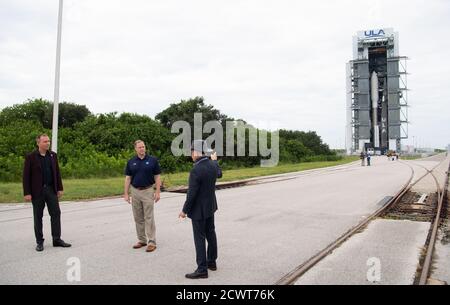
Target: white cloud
{"points": [[257, 60]]}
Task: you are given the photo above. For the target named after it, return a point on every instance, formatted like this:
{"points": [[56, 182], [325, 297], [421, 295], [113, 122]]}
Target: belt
{"points": [[143, 188]]}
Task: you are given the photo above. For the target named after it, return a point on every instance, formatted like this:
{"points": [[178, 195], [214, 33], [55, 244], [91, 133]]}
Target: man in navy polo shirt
{"points": [[142, 173]]}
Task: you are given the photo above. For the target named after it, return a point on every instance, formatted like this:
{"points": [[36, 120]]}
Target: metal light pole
{"points": [[57, 72]]}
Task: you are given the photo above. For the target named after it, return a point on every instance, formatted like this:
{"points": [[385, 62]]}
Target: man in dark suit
{"points": [[42, 184], [200, 206]]}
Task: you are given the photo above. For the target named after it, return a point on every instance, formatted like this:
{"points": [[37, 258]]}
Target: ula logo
{"points": [[374, 33]]}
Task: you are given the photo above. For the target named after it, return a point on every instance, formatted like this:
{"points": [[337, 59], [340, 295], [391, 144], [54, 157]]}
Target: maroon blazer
{"points": [[32, 174]]}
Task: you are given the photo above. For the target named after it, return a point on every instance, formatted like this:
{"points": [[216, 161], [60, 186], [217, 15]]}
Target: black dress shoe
{"points": [[61, 243], [212, 266], [40, 247], [197, 275]]}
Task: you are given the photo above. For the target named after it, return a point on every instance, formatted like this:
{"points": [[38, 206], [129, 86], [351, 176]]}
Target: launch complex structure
{"points": [[377, 93]]}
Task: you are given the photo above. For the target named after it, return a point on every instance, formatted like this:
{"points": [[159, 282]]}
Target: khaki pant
{"points": [[142, 203]]}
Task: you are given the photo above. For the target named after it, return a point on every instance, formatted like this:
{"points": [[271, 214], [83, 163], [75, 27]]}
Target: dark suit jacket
{"points": [[201, 200], [32, 174]]}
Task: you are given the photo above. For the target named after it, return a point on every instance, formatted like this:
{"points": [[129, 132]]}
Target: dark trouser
{"points": [[47, 196], [204, 230]]}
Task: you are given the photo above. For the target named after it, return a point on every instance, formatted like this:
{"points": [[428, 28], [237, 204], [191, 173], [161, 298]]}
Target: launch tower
{"points": [[377, 99]]}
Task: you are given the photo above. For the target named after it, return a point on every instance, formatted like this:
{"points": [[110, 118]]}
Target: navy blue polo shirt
{"points": [[142, 171]]}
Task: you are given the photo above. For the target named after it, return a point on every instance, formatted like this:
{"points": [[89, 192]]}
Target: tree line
{"points": [[98, 145]]}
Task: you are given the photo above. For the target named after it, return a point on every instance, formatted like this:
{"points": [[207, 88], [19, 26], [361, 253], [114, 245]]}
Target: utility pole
{"points": [[57, 77]]}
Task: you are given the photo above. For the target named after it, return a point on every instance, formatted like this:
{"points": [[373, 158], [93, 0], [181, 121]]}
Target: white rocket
{"points": [[374, 99]]}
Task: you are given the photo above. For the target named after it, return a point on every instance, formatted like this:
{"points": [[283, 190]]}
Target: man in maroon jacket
{"points": [[42, 185]]}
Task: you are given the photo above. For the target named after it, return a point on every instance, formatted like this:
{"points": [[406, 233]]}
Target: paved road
{"points": [[385, 253], [396, 245], [264, 231]]}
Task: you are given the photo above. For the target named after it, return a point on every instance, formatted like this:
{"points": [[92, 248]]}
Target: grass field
{"points": [[82, 189]]}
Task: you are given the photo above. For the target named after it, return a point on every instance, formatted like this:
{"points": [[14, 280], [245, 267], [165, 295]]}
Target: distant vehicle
{"points": [[391, 153], [370, 151]]}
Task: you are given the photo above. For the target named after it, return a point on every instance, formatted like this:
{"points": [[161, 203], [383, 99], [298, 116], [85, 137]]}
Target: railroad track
{"points": [[291, 277], [436, 217], [431, 241], [271, 178]]}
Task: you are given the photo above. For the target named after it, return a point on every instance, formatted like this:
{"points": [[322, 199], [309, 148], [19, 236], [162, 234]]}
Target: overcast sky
{"points": [[277, 61]]}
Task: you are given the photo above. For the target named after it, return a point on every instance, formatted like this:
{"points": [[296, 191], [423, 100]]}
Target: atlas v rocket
{"points": [[374, 97]]}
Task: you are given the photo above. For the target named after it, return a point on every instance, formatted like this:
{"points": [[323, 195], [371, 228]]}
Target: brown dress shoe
{"points": [[139, 245], [150, 248]]}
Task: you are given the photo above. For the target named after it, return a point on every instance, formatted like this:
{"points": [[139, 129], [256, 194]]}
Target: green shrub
{"points": [[100, 145]]}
